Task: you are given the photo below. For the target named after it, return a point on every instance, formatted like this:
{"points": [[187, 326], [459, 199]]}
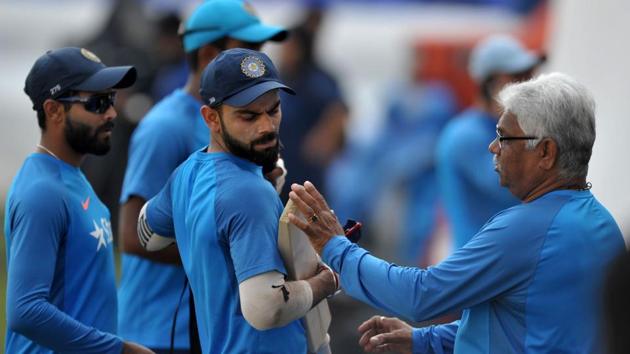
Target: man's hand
{"points": [[133, 348], [321, 224], [385, 334]]}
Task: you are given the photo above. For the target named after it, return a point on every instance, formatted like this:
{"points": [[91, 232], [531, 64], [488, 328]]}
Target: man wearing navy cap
{"points": [[224, 217], [466, 179], [61, 289], [151, 284]]}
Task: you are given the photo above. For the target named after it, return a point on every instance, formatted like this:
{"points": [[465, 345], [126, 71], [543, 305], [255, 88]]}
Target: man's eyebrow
{"points": [[274, 106], [247, 111]]}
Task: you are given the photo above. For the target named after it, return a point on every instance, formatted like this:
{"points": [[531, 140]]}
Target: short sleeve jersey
{"points": [[225, 218], [61, 288], [149, 291]]}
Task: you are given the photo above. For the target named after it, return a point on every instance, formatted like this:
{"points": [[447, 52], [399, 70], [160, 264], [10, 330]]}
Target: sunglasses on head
{"points": [[98, 103]]}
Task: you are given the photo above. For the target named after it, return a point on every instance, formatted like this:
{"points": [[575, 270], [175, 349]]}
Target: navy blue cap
{"points": [[238, 76], [61, 70]]}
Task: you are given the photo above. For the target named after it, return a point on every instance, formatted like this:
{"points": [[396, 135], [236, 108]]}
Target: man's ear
{"points": [[547, 151], [54, 111], [211, 118]]}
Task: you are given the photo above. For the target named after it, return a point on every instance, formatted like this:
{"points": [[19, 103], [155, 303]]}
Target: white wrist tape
{"points": [[267, 301], [149, 239]]}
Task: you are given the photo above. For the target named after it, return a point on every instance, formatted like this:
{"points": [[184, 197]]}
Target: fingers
{"points": [[299, 202], [317, 197], [395, 337], [369, 329], [297, 221], [307, 198], [371, 323], [394, 323], [381, 334], [398, 341]]}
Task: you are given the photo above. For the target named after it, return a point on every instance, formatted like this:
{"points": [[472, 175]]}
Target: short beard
{"points": [[81, 139], [266, 158]]}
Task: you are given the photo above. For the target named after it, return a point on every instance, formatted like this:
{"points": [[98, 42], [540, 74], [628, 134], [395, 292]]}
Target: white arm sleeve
{"points": [[267, 301], [149, 239]]}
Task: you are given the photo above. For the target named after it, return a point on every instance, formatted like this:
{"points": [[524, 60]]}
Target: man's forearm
{"points": [[47, 326]]}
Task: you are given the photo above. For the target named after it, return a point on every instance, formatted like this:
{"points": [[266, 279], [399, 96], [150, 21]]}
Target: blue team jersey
{"points": [[61, 288], [467, 182], [225, 218], [149, 291], [528, 282]]}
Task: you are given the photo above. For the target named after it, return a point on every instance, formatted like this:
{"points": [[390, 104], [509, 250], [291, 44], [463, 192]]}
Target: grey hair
{"points": [[558, 107]]}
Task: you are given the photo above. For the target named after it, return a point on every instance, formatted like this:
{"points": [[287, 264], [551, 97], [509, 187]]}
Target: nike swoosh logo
{"points": [[86, 204]]}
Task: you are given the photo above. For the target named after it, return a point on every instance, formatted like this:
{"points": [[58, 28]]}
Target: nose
{"points": [[494, 147], [110, 113], [267, 124]]}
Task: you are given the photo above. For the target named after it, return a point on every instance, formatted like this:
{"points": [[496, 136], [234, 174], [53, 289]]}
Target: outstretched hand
{"points": [[321, 224], [385, 334]]}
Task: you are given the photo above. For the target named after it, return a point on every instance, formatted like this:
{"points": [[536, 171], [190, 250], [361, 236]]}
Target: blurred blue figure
{"points": [[401, 157], [313, 126], [416, 115], [467, 182]]}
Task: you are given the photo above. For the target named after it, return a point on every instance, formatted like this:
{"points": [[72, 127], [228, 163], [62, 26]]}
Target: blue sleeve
{"points": [[438, 339], [150, 164], [495, 260], [160, 210], [251, 227], [37, 227]]}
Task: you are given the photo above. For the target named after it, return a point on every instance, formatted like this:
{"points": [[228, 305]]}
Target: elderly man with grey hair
{"points": [[529, 280]]}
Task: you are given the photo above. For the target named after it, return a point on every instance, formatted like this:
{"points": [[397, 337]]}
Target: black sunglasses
{"points": [[98, 104]]}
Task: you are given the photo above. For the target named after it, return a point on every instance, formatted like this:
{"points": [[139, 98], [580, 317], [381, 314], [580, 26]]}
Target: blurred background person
{"points": [[130, 35], [465, 170], [153, 287], [399, 163], [314, 122]]}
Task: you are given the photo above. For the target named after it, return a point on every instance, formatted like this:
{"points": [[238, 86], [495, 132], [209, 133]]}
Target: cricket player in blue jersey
{"points": [[224, 217], [465, 174], [152, 282], [529, 281], [61, 290]]}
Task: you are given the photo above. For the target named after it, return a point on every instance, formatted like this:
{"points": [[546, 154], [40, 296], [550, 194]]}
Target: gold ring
{"points": [[313, 218]]}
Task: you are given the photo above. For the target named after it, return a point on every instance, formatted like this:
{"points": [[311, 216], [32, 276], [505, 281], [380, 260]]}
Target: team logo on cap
{"points": [[253, 67], [89, 55]]}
